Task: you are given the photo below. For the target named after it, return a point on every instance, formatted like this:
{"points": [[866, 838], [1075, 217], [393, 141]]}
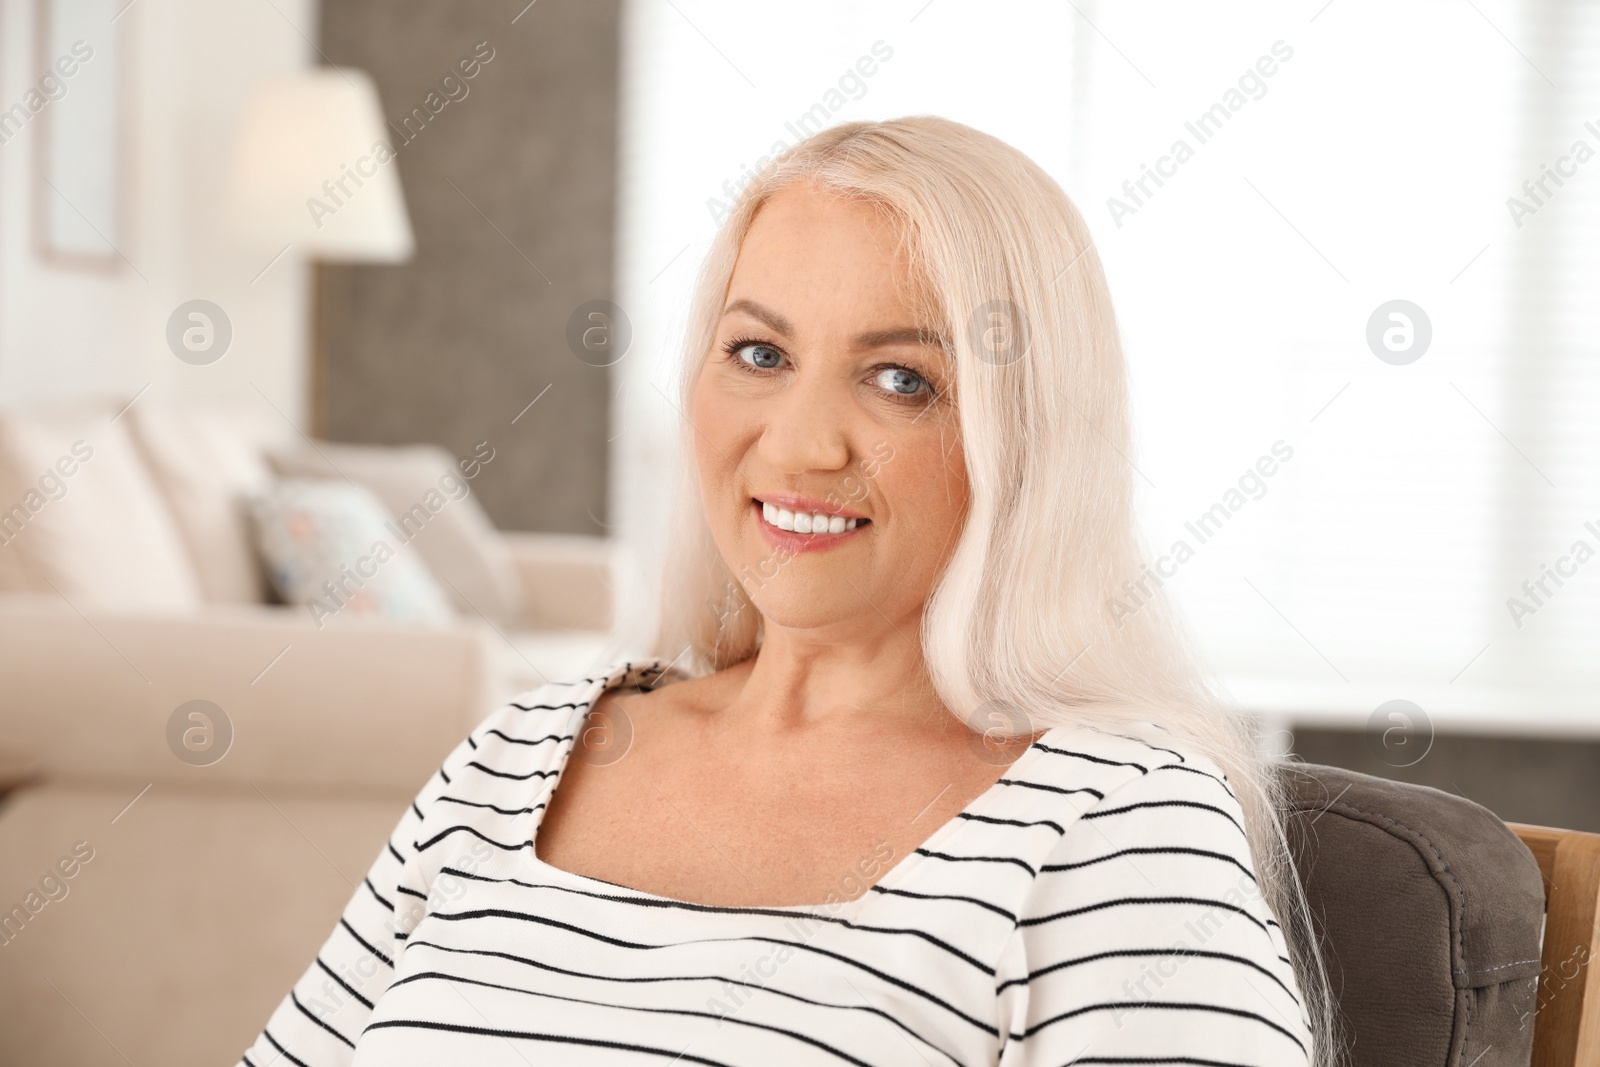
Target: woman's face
{"points": [[827, 397]]}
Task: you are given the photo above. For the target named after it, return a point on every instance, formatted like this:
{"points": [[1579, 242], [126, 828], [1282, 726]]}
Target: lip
{"points": [[793, 502], [793, 543]]}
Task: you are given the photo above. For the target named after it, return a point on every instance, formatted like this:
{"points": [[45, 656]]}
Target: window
{"points": [[1336, 160]]}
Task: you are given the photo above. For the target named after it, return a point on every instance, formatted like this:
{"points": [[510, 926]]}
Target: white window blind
{"points": [[1336, 158]]}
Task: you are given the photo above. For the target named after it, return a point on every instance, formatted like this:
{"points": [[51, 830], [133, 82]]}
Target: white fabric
{"points": [[427, 493], [207, 460], [101, 534], [1096, 905]]}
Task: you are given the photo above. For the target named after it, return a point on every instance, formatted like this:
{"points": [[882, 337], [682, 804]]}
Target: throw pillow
{"points": [[429, 494], [331, 547]]}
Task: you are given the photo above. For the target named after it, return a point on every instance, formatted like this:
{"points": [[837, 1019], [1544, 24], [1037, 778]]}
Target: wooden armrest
{"points": [[1566, 1031]]}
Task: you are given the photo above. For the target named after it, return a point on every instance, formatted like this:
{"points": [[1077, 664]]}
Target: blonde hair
{"points": [[1022, 616]]}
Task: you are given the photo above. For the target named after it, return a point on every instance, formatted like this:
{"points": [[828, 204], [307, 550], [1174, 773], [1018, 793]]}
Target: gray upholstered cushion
{"points": [[1430, 911]]}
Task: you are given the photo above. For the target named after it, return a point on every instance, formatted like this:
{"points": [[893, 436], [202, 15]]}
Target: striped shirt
{"points": [[1096, 905]]}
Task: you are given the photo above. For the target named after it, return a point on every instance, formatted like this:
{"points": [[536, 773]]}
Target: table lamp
{"points": [[313, 174]]}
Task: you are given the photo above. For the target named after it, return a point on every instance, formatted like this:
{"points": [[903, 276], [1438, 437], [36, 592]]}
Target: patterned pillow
{"points": [[330, 546]]}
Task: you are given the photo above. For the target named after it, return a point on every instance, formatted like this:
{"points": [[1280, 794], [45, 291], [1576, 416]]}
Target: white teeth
{"points": [[805, 522]]}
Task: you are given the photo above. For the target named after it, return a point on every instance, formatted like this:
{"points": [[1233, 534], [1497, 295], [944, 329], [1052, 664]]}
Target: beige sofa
{"points": [[153, 910]]}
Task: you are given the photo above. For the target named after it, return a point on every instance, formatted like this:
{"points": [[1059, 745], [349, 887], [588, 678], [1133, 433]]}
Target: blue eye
{"points": [[901, 381], [758, 355]]}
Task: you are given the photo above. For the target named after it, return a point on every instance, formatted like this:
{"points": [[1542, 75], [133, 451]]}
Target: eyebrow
{"points": [[871, 339], [766, 315]]}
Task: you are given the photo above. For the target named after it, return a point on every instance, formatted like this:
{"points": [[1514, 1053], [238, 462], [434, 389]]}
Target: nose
{"points": [[807, 427]]}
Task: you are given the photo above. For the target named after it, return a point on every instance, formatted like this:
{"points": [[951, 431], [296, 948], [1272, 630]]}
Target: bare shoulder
{"points": [[630, 715], [688, 696]]}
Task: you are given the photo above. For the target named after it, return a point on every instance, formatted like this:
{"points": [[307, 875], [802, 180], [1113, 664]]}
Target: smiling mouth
{"points": [[804, 522]]}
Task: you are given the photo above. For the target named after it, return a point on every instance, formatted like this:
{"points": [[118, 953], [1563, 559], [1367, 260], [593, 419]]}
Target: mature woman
{"points": [[901, 785]]}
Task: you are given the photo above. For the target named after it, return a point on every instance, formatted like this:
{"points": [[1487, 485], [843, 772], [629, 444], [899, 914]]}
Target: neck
{"points": [[800, 680]]}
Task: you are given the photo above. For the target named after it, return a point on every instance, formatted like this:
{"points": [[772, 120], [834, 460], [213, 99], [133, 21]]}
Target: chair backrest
{"points": [[1429, 910], [1567, 1029]]}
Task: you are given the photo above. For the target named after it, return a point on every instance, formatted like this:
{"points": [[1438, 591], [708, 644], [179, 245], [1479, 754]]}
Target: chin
{"points": [[802, 605]]}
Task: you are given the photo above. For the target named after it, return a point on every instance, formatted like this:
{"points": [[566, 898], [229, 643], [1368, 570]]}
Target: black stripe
{"points": [[491, 807], [839, 1053], [974, 859], [1092, 759], [684, 905], [1101, 905], [562, 1039], [408, 891], [348, 988], [1150, 850], [652, 902], [393, 852], [1223, 782], [1187, 1060], [1052, 788], [648, 979], [364, 943], [549, 707], [524, 741], [1057, 827], [1101, 813], [285, 1053], [1135, 952], [1112, 1005], [997, 909], [508, 774], [436, 838], [373, 890], [1156, 748], [880, 975], [307, 1013]]}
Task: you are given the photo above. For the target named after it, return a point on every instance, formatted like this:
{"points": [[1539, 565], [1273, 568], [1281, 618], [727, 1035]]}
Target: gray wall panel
{"points": [[451, 346]]}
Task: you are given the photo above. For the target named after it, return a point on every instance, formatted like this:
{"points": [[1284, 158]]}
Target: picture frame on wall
{"points": [[77, 105]]}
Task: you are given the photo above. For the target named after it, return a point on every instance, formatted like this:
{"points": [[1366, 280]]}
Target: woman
{"points": [[902, 785]]}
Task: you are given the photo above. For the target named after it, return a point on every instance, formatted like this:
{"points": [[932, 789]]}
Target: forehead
{"points": [[824, 260]]}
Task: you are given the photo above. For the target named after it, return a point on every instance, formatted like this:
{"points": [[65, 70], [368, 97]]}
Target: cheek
{"points": [[709, 413], [925, 483], [720, 430]]}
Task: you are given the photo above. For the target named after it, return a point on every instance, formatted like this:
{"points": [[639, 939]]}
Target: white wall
{"points": [[67, 333]]}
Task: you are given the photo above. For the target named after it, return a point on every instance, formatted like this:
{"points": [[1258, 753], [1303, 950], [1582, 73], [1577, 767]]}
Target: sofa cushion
{"points": [[428, 492], [82, 513], [331, 547], [196, 908], [208, 459], [1430, 910]]}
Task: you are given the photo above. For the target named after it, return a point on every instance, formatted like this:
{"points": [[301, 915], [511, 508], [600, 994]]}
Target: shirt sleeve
{"points": [[318, 1022], [1147, 940]]}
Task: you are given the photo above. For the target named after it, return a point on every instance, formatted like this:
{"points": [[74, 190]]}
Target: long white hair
{"points": [[1031, 614]]}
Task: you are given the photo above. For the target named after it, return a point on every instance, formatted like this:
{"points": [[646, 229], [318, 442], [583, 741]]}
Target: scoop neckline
{"points": [[844, 909]]}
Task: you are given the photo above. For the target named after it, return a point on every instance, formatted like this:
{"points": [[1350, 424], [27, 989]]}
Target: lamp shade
{"points": [[313, 167]]}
